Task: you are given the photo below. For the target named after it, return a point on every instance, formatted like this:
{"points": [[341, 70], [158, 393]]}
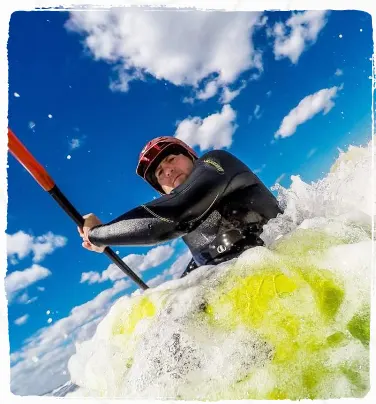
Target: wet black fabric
{"points": [[220, 194], [192, 265]]}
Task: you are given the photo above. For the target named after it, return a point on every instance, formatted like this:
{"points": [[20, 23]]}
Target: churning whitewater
{"points": [[288, 320]]}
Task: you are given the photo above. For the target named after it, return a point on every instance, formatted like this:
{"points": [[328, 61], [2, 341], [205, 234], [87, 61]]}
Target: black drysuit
{"points": [[219, 211]]}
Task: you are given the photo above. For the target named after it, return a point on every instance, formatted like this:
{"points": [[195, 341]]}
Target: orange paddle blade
{"points": [[23, 155]]}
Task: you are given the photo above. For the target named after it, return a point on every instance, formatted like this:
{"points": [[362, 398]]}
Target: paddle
{"points": [[42, 177]]}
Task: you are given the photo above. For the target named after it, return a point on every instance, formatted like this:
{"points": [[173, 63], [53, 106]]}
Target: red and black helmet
{"points": [[155, 151]]}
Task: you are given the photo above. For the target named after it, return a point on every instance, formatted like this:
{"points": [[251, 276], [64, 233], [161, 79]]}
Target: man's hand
{"points": [[90, 221]]}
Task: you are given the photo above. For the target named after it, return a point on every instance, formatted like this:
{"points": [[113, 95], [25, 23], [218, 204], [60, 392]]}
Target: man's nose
{"points": [[169, 171]]}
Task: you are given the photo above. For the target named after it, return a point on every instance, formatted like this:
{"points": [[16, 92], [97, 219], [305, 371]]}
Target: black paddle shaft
{"points": [[64, 203]]}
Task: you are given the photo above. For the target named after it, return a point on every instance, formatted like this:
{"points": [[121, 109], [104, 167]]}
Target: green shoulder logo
{"points": [[217, 166]]}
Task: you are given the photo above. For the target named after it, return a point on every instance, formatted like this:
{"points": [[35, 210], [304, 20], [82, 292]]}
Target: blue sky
{"points": [[281, 91]]}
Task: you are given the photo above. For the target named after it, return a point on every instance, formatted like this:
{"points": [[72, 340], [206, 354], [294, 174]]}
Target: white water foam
{"points": [[288, 320]]}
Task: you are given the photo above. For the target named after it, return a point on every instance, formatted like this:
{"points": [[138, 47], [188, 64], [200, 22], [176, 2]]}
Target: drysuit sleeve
{"points": [[169, 216]]}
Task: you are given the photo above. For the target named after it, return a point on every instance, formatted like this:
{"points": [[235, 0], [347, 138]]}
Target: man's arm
{"points": [[136, 227]]}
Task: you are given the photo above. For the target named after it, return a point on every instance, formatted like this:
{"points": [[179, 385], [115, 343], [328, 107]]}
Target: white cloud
{"points": [[87, 330], [32, 300], [21, 320], [269, 93], [46, 244], [228, 95], [209, 91], [17, 95], [39, 365], [21, 244], [300, 31], [307, 108], [280, 178], [177, 268], [174, 271], [25, 299], [41, 288], [258, 170], [188, 100], [214, 131], [339, 72], [183, 48], [14, 357], [155, 257], [212, 88], [19, 280], [122, 80], [137, 262], [92, 277], [74, 143], [157, 280], [311, 153], [256, 112]]}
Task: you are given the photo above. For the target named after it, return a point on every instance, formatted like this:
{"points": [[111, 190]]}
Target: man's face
{"points": [[172, 171]]}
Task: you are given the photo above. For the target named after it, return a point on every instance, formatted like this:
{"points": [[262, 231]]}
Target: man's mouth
{"points": [[176, 178]]}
